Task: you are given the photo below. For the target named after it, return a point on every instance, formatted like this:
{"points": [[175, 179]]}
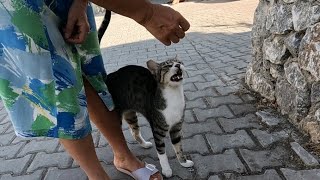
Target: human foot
{"points": [[130, 163]]}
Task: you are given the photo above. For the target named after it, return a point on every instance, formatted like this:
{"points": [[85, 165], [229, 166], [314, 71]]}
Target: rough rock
{"points": [[274, 49], [279, 18], [294, 75], [292, 42], [304, 14]]}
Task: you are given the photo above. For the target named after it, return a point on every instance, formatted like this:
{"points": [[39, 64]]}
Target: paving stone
{"points": [[217, 101], [5, 139], [188, 116], [248, 98], [199, 72], [15, 166], [197, 78], [210, 126], [145, 132], [201, 93], [33, 176], [304, 155], [217, 64], [239, 64], [192, 145], [214, 178], [269, 174], [189, 87], [257, 160], [102, 142], [41, 160], [4, 127], [70, 174], [270, 119], [105, 154], [311, 174], [197, 103], [220, 142], [266, 139], [211, 77], [10, 151], [248, 121], [239, 109], [218, 163], [33, 146], [221, 111], [227, 90], [204, 85]]}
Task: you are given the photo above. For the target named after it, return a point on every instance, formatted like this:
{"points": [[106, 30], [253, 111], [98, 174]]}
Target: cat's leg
{"points": [[175, 136], [159, 133], [132, 120]]}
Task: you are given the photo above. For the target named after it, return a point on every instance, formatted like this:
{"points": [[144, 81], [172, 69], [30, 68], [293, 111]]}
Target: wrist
{"points": [[144, 14]]}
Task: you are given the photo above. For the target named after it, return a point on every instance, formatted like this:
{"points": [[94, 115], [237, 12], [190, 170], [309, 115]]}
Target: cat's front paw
{"points": [[187, 164], [167, 172], [146, 145]]}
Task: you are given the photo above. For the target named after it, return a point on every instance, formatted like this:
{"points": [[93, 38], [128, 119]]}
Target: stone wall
{"points": [[286, 60]]}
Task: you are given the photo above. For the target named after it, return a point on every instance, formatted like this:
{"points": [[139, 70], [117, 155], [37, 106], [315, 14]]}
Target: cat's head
{"points": [[169, 72]]}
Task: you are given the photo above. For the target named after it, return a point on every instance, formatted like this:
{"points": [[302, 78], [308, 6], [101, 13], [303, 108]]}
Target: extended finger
{"points": [[69, 27], [180, 33], [184, 24], [174, 38]]}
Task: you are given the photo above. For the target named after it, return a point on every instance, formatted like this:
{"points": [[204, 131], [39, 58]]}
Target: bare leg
{"points": [[109, 124], [83, 152]]}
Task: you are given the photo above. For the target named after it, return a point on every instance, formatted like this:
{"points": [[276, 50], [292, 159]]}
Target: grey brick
{"points": [[221, 142], [210, 126], [189, 87], [41, 160], [197, 103], [202, 93], [242, 108], [102, 142], [199, 72], [197, 78], [217, 64], [217, 101], [210, 77], [188, 116], [145, 132], [105, 154], [10, 151], [4, 127], [257, 160], [269, 118], [239, 64], [248, 97], [218, 163], [5, 139], [269, 174], [304, 155], [267, 139], [249, 121], [48, 146], [214, 178], [70, 174], [234, 53], [230, 70], [205, 85], [178, 170], [33, 176], [227, 90], [221, 111], [15, 166], [202, 66], [192, 145], [227, 58], [311, 174]]}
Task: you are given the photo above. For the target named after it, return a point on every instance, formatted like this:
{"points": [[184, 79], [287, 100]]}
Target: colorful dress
{"points": [[41, 76]]}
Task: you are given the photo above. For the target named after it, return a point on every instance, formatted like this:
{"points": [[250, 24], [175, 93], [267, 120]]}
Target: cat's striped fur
{"points": [[158, 95]]}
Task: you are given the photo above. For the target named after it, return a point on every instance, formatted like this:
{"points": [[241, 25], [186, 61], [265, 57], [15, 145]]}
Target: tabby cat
{"points": [[156, 93]]}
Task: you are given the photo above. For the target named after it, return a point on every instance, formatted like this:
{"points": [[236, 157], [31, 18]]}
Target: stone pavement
{"points": [[228, 132]]}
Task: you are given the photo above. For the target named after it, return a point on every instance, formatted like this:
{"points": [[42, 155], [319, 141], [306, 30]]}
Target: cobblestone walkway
{"points": [[227, 132]]}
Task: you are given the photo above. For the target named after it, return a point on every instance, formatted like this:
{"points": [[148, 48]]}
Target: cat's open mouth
{"points": [[177, 77]]}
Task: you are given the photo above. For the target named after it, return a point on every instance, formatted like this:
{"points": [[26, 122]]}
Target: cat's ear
{"points": [[152, 66]]}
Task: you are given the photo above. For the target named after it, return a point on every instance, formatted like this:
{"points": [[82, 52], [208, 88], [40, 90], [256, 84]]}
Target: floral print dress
{"points": [[41, 76]]}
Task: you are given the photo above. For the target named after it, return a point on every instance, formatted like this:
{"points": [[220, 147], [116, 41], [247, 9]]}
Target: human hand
{"points": [[77, 26], [165, 24]]}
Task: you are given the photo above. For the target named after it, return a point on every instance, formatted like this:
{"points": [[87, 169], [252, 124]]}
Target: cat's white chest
{"points": [[175, 105]]}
